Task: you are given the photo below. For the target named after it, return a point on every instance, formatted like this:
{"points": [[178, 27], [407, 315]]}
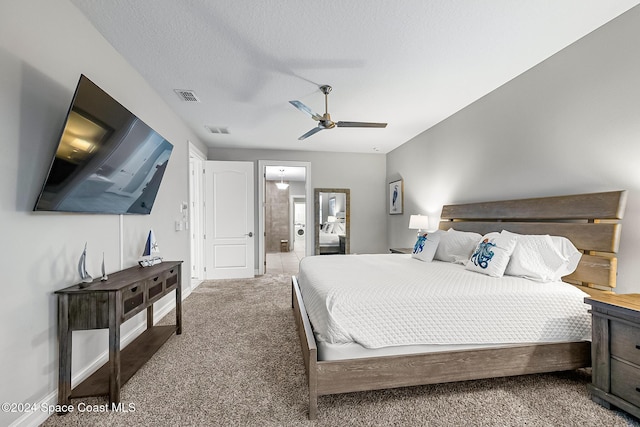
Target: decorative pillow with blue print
{"points": [[425, 247], [492, 254]]}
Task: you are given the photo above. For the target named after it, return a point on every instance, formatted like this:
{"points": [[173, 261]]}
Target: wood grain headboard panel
{"points": [[590, 221], [608, 205]]}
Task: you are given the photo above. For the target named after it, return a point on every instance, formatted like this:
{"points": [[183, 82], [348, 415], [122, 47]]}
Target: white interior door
{"points": [[229, 234], [196, 217]]}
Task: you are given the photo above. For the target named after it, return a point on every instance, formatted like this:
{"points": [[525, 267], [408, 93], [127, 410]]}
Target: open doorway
{"points": [[284, 215]]}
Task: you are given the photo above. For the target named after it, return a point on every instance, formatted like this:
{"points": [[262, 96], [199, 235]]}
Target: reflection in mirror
{"points": [[332, 220]]}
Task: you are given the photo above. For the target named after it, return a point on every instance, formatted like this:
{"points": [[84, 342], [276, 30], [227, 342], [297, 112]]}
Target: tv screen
{"points": [[107, 161]]}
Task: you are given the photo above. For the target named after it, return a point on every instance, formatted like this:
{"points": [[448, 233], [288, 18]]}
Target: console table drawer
{"points": [[155, 289], [625, 381], [171, 279], [625, 341], [132, 299]]}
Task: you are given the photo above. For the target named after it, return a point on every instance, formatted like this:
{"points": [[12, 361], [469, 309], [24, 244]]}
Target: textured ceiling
{"points": [[410, 63]]}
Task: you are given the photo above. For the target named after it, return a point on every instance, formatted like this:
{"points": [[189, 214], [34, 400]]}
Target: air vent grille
{"points": [[217, 129], [187, 95]]}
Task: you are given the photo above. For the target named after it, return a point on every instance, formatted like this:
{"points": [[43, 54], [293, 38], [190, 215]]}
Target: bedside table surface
{"points": [[628, 301], [401, 250]]}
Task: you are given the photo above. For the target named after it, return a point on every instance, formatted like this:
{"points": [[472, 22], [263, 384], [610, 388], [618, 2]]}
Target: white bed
{"points": [[371, 345], [329, 237], [401, 305]]}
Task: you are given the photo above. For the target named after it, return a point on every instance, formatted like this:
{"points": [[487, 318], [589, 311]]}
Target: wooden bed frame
{"points": [[590, 221]]}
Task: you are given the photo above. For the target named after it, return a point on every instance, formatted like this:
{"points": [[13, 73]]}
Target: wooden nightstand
{"points": [[401, 250], [615, 351]]}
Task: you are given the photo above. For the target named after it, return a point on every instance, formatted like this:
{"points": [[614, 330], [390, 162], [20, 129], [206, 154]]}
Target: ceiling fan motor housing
{"points": [[326, 89]]}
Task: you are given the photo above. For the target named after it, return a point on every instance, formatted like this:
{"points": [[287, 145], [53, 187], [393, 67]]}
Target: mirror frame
{"points": [[316, 217]]}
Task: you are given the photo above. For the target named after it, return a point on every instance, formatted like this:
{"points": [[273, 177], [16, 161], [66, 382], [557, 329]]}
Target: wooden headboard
{"points": [[591, 221]]}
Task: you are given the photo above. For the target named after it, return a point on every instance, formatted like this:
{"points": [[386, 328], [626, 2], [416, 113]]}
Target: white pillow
{"points": [[456, 246], [492, 254], [535, 257], [338, 228], [425, 247], [569, 251]]}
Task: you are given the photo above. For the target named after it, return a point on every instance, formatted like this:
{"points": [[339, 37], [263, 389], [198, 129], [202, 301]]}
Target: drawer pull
{"points": [[638, 346], [155, 279], [134, 289], [638, 389], [171, 271]]}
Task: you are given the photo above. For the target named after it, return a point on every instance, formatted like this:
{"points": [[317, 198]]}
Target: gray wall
{"points": [[569, 125], [44, 47], [364, 174]]}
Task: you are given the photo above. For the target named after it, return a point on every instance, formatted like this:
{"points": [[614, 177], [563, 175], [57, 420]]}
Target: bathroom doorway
{"points": [[284, 215]]}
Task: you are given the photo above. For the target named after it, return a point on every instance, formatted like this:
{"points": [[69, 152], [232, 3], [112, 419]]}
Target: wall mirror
{"points": [[332, 220]]}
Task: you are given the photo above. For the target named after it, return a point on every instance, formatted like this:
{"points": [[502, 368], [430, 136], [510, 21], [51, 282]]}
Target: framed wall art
{"points": [[396, 197]]}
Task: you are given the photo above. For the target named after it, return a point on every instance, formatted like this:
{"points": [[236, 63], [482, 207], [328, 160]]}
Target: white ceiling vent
{"points": [[217, 129], [187, 95]]}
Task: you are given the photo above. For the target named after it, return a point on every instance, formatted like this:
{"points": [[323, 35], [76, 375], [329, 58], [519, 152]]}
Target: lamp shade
{"points": [[418, 222]]}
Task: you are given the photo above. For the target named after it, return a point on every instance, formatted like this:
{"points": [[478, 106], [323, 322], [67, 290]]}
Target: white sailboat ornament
{"points": [[104, 271], [150, 256], [82, 268]]}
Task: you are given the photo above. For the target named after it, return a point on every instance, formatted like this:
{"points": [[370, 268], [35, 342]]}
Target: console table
{"points": [[108, 304]]}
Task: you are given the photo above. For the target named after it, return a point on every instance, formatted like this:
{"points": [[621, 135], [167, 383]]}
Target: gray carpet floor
{"points": [[238, 363]]}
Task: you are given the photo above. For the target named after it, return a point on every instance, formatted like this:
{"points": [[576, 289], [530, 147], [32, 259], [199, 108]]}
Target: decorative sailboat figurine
{"points": [[104, 272], [150, 256], [82, 267]]}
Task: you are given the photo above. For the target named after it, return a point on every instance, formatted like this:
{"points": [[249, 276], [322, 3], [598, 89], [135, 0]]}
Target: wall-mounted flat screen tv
{"points": [[107, 161]]}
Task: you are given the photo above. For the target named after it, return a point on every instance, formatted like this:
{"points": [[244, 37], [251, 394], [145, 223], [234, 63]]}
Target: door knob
{"points": [[250, 234]]}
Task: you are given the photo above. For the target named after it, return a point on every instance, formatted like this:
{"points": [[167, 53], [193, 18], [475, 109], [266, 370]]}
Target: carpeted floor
{"points": [[238, 363]]}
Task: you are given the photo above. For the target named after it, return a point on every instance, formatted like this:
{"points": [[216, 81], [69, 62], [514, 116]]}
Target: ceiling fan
{"points": [[324, 121]]}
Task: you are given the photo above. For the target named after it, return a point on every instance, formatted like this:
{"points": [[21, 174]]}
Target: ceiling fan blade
{"points": [[300, 106], [360, 125], [311, 132]]}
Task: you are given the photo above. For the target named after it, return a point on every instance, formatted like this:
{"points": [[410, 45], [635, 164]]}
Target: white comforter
{"points": [[393, 299], [329, 239]]}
